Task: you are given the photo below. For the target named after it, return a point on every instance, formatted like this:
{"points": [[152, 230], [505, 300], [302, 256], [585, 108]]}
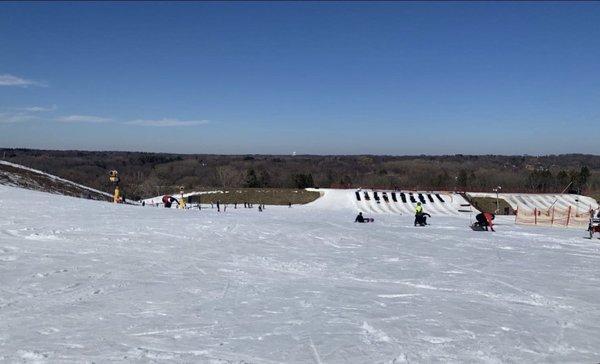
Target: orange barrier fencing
{"points": [[570, 217]]}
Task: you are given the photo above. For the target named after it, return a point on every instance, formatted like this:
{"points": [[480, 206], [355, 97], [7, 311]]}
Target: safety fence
{"points": [[569, 217]]}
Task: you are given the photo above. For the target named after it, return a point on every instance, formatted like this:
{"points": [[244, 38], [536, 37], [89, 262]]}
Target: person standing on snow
{"points": [[418, 213]]}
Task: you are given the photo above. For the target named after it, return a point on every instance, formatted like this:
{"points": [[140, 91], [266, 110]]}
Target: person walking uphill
{"points": [[418, 213]]}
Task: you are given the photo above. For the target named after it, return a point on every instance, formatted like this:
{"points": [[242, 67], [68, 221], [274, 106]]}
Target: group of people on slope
{"points": [[484, 220]]}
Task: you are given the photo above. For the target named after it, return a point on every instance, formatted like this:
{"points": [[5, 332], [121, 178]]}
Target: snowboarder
{"points": [[484, 220]]}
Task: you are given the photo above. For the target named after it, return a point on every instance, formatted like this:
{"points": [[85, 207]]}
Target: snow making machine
{"points": [[113, 176], [181, 204]]}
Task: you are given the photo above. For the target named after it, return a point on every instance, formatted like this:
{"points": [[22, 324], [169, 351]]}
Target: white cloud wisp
{"points": [[165, 123], [10, 80], [83, 119]]}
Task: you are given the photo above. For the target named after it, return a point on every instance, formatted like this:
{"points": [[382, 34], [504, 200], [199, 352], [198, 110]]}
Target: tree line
{"points": [[150, 174]]}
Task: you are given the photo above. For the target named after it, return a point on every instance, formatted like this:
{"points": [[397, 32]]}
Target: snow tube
{"points": [[168, 200]]}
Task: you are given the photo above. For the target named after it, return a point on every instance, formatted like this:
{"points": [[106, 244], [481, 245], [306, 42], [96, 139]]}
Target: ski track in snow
{"points": [[87, 280]]}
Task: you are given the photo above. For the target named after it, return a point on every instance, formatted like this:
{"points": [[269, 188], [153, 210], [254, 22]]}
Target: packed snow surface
{"points": [[90, 281]]}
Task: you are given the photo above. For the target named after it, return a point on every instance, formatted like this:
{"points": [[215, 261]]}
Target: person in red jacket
{"points": [[485, 219]]}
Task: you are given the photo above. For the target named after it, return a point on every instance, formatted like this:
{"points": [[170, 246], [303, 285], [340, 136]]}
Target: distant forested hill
{"points": [[147, 174]]}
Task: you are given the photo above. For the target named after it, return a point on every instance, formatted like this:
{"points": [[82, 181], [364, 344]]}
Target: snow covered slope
{"points": [[542, 201], [12, 174], [394, 202], [84, 281]]}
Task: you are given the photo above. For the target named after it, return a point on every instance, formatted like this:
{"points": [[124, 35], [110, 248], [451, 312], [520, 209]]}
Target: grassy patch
{"points": [[489, 204], [267, 196]]}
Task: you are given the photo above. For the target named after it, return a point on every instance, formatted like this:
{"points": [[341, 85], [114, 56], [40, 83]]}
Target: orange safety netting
{"points": [[570, 217]]}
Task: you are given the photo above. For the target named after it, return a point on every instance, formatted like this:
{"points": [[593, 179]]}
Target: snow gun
{"points": [[113, 176], [181, 204]]}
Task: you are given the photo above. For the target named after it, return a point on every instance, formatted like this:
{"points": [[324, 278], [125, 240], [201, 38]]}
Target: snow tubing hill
{"points": [[542, 201], [436, 203]]}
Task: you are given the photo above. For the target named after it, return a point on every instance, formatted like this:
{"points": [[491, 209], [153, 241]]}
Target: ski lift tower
{"points": [[497, 190]]}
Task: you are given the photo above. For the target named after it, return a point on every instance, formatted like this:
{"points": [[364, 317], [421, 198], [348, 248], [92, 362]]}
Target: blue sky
{"points": [[312, 78]]}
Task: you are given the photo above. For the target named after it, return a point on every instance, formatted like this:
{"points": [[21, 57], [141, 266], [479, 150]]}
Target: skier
{"points": [[218, 206], [484, 220]]}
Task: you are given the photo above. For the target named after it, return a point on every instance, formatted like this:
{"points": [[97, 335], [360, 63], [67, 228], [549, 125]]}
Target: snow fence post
{"points": [[535, 216], [552, 218], [568, 216]]}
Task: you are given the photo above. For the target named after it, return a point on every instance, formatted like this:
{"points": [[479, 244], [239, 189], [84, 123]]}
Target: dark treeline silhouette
{"points": [[148, 174]]}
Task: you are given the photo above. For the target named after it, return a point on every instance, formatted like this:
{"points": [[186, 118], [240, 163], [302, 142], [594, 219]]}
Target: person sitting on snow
{"points": [[485, 219], [361, 218]]}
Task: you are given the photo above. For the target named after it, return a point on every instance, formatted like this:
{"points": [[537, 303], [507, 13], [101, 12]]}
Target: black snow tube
{"points": [[168, 200]]}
